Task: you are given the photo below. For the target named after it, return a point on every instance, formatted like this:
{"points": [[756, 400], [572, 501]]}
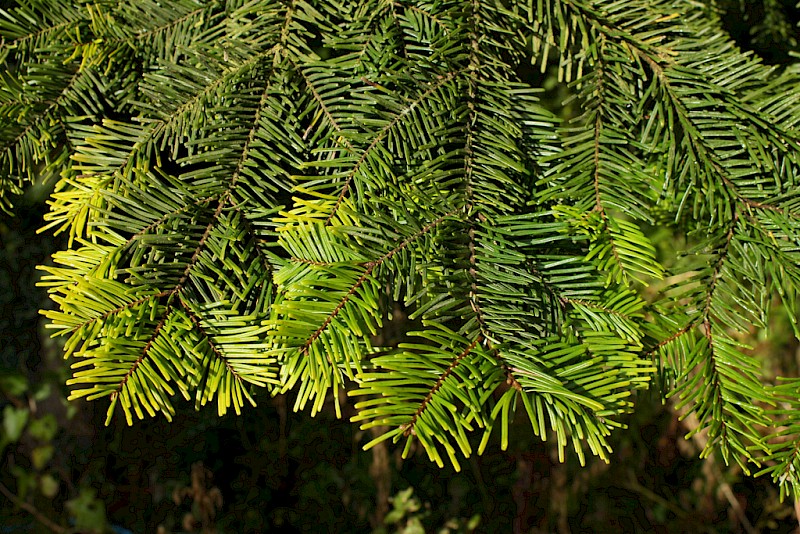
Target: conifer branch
{"points": [[171, 24], [214, 348], [122, 308], [331, 120], [370, 267], [408, 428], [508, 371], [594, 305], [716, 274], [15, 43], [681, 332], [379, 138], [55, 103], [185, 187], [225, 76], [422, 12], [763, 206], [145, 351], [167, 216], [598, 126], [225, 198], [472, 75]]}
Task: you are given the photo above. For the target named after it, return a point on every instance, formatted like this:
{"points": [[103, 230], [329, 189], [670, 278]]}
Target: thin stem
{"points": [[54, 527]]}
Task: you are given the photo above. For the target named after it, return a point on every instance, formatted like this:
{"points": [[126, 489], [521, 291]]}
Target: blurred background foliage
{"points": [[271, 471]]}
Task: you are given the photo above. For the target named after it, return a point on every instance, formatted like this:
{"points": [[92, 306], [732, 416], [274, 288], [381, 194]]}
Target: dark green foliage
{"points": [[251, 189]]}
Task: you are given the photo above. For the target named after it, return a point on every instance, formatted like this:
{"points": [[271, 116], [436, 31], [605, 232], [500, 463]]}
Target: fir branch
{"points": [[768, 207], [697, 141], [472, 78], [290, 9], [472, 75], [594, 305], [316, 263], [716, 274], [332, 121], [422, 12], [214, 348], [225, 76], [200, 244], [551, 289], [370, 267], [250, 230], [408, 428], [226, 197], [379, 138], [55, 28], [145, 351], [666, 341], [167, 216], [598, 125], [759, 205], [250, 137], [171, 24], [120, 309], [53, 104], [407, 111], [362, 55], [508, 371]]}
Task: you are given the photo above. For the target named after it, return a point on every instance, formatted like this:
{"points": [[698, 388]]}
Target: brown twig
{"points": [[32, 510]]}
